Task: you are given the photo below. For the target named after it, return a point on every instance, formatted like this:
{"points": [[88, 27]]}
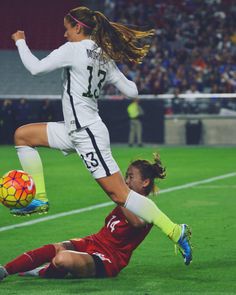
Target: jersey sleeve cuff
{"points": [[20, 41]]}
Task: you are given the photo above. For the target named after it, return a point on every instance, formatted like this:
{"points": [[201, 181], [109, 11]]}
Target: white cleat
{"points": [[3, 272]]}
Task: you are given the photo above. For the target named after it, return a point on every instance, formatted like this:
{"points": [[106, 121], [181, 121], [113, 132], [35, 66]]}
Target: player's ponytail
{"points": [[116, 41], [119, 42], [150, 171], [158, 170]]}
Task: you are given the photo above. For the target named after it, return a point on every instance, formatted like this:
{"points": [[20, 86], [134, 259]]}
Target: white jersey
{"points": [[84, 74]]}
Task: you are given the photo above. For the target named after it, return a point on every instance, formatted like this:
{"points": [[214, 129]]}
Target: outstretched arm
{"points": [[124, 85], [127, 87], [59, 58]]}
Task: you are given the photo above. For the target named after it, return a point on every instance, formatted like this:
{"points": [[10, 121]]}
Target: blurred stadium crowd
{"points": [[194, 48], [193, 51], [15, 113]]}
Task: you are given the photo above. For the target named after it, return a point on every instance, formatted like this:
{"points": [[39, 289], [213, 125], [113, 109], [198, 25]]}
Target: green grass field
{"points": [[209, 208]]}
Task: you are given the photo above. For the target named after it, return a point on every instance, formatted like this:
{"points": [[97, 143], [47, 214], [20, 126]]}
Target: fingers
{"points": [[18, 35]]}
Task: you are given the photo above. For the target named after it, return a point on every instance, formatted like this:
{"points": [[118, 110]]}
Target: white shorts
{"points": [[92, 143]]}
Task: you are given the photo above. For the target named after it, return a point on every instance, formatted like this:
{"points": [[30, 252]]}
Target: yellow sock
{"points": [[172, 230], [40, 187], [32, 164], [176, 233]]}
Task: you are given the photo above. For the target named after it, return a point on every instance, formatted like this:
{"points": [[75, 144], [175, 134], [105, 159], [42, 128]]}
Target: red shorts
{"points": [[110, 261]]}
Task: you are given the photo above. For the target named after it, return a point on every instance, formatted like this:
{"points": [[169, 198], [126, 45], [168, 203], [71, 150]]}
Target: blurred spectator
{"points": [[177, 103], [135, 113], [193, 90], [22, 112], [46, 112], [7, 122]]}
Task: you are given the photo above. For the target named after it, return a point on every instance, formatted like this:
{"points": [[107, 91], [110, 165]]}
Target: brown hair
{"points": [[117, 41], [150, 171]]}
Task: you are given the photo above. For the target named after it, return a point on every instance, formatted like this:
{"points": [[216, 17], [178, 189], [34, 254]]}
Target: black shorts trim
{"points": [[100, 268], [108, 173], [78, 126]]}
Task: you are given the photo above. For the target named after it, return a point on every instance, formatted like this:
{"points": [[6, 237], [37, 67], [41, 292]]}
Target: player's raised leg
{"points": [[106, 172], [145, 208], [27, 138]]}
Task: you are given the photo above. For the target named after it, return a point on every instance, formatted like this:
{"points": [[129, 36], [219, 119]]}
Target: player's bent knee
{"points": [[59, 247], [61, 259], [20, 136]]}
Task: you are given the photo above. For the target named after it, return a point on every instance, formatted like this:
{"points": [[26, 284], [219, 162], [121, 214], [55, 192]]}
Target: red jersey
{"points": [[115, 242]]}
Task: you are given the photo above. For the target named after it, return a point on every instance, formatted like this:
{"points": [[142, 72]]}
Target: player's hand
{"points": [[18, 35]]}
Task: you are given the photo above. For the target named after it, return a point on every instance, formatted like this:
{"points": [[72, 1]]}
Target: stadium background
{"points": [[192, 54], [187, 90]]}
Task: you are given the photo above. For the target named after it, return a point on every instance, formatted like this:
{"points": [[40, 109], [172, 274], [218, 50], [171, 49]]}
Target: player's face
{"points": [[71, 32], [133, 179]]}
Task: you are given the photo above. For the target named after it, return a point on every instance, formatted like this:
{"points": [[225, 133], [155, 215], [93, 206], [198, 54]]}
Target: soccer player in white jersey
{"points": [[88, 62]]}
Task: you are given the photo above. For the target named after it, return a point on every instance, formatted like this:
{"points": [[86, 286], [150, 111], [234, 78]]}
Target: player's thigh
{"points": [[79, 264], [34, 134], [93, 145], [115, 187], [58, 137], [107, 265]]}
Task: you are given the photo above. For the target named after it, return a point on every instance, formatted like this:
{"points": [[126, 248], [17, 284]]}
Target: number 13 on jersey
{"points": [[96, 92]]}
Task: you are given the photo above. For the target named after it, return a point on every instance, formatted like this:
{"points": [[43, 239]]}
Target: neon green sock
{"points": [[172, 230], [32, 164], [147, 210]]}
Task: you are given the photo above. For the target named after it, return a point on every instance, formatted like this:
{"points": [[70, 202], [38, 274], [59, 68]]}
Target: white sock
{"points": [[31, 163], [147, 210]]}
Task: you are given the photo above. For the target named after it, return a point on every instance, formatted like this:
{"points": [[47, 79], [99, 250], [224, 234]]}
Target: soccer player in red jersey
{"points": [[103, 254]]}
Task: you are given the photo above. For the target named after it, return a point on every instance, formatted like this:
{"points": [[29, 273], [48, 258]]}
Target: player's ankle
{"points": [[176, 233], [42, 197]]}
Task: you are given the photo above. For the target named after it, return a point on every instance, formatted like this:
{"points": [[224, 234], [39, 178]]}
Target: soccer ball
{"points": [[17, 189]]}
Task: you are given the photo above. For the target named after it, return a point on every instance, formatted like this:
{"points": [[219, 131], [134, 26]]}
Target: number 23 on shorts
{"points": [[89, 160]]}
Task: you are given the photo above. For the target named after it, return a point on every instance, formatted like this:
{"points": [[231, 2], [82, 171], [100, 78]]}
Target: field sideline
{"points": [[208, 207]]}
